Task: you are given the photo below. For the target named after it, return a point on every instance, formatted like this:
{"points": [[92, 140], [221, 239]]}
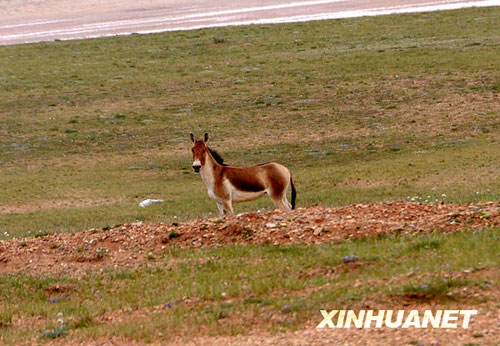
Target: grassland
{"points": [[362, 109], [241, 289]]}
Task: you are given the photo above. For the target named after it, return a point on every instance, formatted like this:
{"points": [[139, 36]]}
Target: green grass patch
{"points": [[362, 110]]}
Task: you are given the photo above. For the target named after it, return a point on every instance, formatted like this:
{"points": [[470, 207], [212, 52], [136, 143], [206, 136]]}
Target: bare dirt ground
{"points": [[23, 21], [129, 245]]}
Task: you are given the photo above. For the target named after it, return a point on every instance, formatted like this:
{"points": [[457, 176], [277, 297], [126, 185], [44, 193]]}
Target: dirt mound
{"points": [[130, 245]]}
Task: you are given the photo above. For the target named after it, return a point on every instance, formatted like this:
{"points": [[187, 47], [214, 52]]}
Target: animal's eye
{"points": [[203, 151]]}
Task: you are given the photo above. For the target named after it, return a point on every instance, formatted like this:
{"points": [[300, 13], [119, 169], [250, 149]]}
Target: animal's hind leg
{"points": [[279, 182], [286, 203], [281, 202]]}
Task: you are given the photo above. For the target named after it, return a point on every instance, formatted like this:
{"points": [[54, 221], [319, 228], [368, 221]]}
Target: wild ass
{"points": [[227, 184]]}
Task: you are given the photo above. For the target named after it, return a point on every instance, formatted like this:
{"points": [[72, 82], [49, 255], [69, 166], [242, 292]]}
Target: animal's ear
{"points": [[206, 137], [192, 137]]}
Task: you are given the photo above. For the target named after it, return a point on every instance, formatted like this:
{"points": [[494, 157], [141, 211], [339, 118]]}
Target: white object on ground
{"points": [[148, 202]]}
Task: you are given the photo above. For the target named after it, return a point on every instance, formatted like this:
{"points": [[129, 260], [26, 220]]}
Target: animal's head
{"points": [[200, 152]]}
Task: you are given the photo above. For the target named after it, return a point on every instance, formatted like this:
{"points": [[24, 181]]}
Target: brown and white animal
{"points": [[227, 184]]}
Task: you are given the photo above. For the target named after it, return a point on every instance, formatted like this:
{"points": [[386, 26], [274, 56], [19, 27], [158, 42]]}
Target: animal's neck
{"points": [[207, 171]]}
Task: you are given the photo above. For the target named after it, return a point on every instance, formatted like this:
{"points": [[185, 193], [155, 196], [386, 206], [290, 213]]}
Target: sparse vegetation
{"points": [[5, 318], [252, 281], [55, 333], [437, 289], [173, 235]]}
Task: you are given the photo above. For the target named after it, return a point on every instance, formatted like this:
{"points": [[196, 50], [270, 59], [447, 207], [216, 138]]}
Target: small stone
{"points": [[351, 258], [168, 305]]}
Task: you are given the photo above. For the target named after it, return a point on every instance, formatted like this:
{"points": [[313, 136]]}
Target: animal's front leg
{"points": [[220, 206], [228, 208]]}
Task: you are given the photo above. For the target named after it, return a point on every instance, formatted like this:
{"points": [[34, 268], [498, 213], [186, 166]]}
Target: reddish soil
{"points": [[129, 245]]}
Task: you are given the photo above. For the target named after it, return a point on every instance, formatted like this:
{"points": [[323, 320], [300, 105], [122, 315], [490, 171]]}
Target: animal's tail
{"points": [[294, 193]]}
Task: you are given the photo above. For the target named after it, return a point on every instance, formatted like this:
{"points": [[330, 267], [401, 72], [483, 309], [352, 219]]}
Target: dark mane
{"points": [[217, 157]]}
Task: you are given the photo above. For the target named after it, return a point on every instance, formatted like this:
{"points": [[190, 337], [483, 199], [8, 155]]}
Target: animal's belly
{"points": [[242, 196]]}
